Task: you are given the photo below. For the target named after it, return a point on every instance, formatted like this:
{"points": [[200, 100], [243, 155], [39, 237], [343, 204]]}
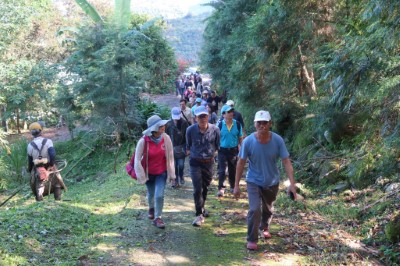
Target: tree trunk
{"points": [[306, 77], [18, 126], [4, 124]]}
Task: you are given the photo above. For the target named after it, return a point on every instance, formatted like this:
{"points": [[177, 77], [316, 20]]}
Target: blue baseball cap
{"points": [[226, 108], [198, 100], [201, 110]]}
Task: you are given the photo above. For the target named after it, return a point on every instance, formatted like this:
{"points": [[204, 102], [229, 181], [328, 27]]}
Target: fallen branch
{"points": [[13, 194], [83, 157], [380, 200]]}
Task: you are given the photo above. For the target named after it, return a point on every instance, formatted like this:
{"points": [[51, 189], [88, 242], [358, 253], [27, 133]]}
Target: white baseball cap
{"points": [[262, 116], [176, 113], [230, 102]]}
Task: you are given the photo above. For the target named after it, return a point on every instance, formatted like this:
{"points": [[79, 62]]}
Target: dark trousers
{"points": [[261, 208], [179, 168], [44, 188], [227, 157], [201, 174], [181, 91]]}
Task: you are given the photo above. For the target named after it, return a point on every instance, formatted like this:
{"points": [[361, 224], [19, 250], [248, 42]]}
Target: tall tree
{"points": [[312, 57], [108, 68]]}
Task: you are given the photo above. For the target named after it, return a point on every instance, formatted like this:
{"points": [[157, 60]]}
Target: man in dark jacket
{"points": [[214, 100], [176, 129]]}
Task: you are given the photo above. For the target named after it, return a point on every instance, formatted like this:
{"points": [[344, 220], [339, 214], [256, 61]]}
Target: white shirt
{"points": [[35, 153]]}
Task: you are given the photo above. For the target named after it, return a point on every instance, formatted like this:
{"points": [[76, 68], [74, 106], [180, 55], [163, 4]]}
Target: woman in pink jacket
{"points": [[155, 147]]}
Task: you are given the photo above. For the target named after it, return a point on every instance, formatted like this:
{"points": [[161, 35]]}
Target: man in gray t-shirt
{"points": [[262, 149]]}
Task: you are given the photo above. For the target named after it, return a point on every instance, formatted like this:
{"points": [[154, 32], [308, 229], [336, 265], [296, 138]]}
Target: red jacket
{"points": [[157, 163]]}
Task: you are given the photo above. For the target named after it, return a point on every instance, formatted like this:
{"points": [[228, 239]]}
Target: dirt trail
{"points": [[300, 237]]}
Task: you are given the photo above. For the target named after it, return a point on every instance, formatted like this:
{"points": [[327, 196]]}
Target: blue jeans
{"points": [[155, 192], [201, 174], [179, 167], [261, 208], [181, 91]]}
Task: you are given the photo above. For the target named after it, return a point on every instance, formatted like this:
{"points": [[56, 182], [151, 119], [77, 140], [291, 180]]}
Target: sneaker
{"points": [[159, 223], [221, 192], [266, 233], [252, 245], [175, 184], [182, 181], [198, 221], [206, 213], [151, 213]]}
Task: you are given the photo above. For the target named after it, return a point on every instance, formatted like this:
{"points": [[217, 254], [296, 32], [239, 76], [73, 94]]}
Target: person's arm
{"points": [[217, 138], [140, 171], [169, 153], [30, 163], [188, 141], [52, 155], [239, 172], [289, 172], [240, 134]]}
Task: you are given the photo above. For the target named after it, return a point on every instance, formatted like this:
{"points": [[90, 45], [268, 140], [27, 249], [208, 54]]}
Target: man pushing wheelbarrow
{"points": [[45, 177]]}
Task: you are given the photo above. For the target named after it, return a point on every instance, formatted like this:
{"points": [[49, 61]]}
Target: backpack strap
{"points": [[184, 116], [41, 148], [239, 126]]}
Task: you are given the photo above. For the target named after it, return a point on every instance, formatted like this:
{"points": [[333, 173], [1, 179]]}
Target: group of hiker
{"points": [[193, 132]]}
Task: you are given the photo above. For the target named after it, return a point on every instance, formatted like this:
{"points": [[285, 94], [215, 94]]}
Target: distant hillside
{"points": [[170, 9], [186, 35], [185, 19]]}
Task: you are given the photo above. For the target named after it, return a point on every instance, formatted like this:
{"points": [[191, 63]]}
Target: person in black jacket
{"points": [[176, 129]]}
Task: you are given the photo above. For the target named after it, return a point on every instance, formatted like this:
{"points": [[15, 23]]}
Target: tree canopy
{"points": [[327, 70]]}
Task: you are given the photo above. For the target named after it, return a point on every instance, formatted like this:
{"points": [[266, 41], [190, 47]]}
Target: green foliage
{"points": [[259, 50], [148, 108], [108, 69], [122, 13], [157, 57], [25, 80], [15, 161], [89, 10], [186, 36]]}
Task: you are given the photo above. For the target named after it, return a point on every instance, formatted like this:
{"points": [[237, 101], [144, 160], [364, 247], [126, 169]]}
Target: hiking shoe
{"points": [[182, 181], [151, 213], [266, 233], [221, 192], [198, 221], [252, 245], [159, 223], [175, 184], [206, 213]]}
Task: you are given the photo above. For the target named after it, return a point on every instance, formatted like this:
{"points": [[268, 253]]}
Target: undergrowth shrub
{"points": [[16, 160]]}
